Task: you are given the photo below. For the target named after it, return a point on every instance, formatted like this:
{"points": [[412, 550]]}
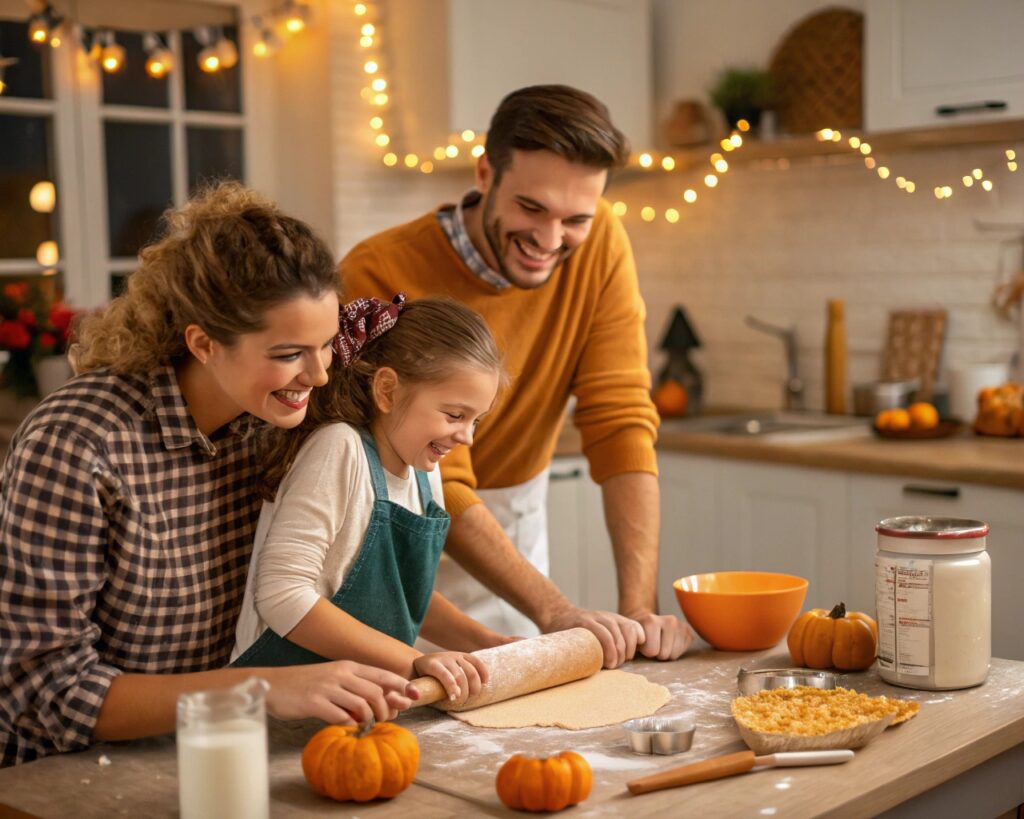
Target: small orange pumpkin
{"points": [[349, 762], [823, 639], [527, 783]]}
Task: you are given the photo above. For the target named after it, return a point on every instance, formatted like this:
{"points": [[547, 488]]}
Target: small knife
{"points": [[720, 767]]}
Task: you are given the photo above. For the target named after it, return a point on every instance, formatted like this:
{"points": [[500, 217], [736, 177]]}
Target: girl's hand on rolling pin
{"points": [[460, 674], [340, 692]]}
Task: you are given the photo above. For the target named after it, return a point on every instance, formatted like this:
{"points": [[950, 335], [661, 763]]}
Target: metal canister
{"points": [[933, 596]]}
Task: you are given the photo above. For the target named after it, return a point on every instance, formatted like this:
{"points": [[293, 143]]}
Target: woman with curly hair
{"points": [[129, 497]]}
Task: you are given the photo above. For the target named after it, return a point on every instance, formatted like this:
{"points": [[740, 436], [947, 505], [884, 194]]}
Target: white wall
{"points": [[776, 243]]}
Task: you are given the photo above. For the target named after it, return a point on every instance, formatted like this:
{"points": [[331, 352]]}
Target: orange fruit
{"points": [[923, 415], [670, 399], [899, 419], [883, 418]]}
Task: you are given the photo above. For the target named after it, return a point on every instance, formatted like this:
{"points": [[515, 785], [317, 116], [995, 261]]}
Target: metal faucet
{"points": [[793, 388]]}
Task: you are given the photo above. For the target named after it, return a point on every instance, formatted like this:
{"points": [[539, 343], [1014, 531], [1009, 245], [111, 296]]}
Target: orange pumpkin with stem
{"points": [[356, 763], [526, 783], [836, 638]]}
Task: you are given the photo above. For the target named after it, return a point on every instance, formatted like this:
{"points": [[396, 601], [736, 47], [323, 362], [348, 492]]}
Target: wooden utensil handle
{"points": [[717, 767], [430, 689]]}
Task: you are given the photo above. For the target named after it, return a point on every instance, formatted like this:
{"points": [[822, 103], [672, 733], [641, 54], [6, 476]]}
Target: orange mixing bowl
{"points": [[741, 611]]}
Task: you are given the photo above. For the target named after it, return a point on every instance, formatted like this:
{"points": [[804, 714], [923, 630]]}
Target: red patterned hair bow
{"points": [[363, 320]]}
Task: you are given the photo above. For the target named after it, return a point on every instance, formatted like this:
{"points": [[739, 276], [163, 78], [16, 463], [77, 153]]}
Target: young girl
{"points": [[128, 498], [346, 553]]}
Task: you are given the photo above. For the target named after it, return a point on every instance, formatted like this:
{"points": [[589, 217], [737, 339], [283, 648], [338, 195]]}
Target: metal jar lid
{"points": [[921, 533]]}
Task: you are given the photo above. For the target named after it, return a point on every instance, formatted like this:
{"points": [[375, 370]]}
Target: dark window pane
{"points": [[30, 76], [214, 153], [138, 183], [118, 284], [24, 161], [219, 91], [132, 85]]}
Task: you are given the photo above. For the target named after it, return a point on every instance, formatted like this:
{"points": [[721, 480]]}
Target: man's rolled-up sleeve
{"points": [[53, 537]]}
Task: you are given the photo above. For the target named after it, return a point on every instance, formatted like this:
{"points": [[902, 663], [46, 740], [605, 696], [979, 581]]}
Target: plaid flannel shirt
{"points": [[125, 538]]}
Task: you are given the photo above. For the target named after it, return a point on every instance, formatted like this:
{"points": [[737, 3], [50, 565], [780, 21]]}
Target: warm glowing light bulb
{"points": [[647, 213], [671, 215], [948, 191], [260, 49], [883, 172], [382, 140], [38, 30], [736, 140], [714, 158], [380, 100], [619, 208], [3, 85], [689, 196], [1012, 166], [54, 40], [367, 30], [411, 160], [390, 159], [743, 125], [451, 151], [370, 67], [379, 84], [837, 136], [112, 57], [986, 184], [1011, 154], [668, 163], [901, 182], [478, 151], [366, 42], [468, 135], [376, 123], [721, 166], [47, 254], [976, 173], [869, 162], [359, 9], [294, 24], [854, 142], [968, 181], [711, 180], [911, 187], [938, 193], [439, 153], [159, 63], [646, 160], [825, 135], [427, 167], [43, 197], [209, 62], [865, 148], [727, 145]]}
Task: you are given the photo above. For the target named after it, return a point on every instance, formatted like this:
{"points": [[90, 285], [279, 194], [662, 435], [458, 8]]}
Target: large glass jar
{"points": [[933, 596]]}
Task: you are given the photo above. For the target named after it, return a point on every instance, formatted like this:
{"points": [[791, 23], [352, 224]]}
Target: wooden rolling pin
{"points": [[719, 767], [522, 668]]}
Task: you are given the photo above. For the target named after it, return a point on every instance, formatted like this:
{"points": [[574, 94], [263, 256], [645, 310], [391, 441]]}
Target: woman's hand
{"points": [[460, 674], [340, 692]]}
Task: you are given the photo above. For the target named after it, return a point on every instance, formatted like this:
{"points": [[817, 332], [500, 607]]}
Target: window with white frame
{"points": [[90, 158]]}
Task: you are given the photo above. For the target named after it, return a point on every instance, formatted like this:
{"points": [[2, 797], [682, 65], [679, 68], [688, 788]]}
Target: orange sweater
{"points": [[582, 333]]}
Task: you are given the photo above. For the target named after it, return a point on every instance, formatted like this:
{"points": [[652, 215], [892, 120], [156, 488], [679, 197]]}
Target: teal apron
{"points": [[390, 583]]}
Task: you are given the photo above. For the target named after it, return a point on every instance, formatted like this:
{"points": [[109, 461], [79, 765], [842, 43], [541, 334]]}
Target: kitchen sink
{"points": [[775, 425]]}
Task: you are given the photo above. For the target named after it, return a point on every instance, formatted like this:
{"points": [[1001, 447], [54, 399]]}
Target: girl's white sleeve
{"points": [[312, 508]]}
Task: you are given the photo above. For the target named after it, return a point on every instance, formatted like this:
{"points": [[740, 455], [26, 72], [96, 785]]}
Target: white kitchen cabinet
{"points": [[449, 71], [925, 55], [874, 497], [582, 563]]}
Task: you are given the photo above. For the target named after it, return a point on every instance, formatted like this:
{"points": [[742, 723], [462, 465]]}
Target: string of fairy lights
{"points": [[217, 50], [377, 93]]}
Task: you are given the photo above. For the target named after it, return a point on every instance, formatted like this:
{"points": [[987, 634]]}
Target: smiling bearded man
{"points": [[538, 253]]}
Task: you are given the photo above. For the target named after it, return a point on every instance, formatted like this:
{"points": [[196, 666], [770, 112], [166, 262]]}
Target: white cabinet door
{"points": [[873, 498], [689, 521], [922, 56], [785, 519], [582, 563]]}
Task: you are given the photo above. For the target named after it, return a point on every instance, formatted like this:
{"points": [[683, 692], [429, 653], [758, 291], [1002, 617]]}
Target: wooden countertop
{"points": [[954, 732], [964, 457]]}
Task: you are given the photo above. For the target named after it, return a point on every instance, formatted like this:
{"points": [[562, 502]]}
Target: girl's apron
{"points": [[389, 585]]}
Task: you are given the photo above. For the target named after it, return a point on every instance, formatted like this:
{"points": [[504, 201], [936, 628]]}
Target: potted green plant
{"points": [[743, 93]]}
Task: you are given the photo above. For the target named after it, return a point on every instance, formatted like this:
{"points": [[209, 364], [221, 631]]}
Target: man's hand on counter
{"points": [[666, 637]]}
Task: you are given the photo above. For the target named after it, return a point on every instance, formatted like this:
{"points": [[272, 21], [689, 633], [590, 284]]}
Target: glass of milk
{"points": [[222, 753]]}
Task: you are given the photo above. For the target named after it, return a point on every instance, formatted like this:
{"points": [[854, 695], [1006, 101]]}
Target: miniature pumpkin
{"points": [[823, 639], [349, 762], [670, 399], [526, 783]]}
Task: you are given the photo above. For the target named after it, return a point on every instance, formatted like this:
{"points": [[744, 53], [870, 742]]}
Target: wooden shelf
{"points": [[800, 147]]}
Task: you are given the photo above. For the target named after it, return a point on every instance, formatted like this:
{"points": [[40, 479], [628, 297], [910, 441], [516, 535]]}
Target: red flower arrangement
{"points": [[34, 322]]}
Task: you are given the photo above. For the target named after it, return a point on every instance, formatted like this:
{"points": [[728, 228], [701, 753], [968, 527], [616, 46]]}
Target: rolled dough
{"points": [[605, 698]]}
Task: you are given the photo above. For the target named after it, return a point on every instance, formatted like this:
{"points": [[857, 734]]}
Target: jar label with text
{"points": [[903, 594]]}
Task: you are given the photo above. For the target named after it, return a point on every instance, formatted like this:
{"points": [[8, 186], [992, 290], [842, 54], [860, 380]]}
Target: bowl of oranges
{"points": [[919, 420]]}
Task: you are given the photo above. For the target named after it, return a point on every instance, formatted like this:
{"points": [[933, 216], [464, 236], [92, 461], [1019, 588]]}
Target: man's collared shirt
{"points": [[453, 223], [125, 538]]}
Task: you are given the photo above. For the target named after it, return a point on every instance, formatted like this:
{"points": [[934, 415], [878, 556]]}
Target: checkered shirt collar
{"points": [[453, 223]]}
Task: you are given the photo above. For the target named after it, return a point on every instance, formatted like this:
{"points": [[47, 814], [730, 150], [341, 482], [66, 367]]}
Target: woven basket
{"points": [[818, 70]]}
